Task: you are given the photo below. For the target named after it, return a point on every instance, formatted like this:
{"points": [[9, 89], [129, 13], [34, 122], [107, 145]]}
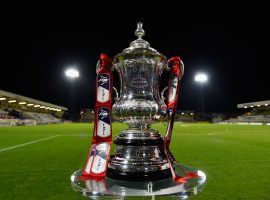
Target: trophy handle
{"points": [[162, 92], [116, 94]]}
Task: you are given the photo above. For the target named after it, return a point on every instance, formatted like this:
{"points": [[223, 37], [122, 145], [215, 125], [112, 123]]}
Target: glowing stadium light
{"points": [[12, 101], [72, 73], [22, 103], [191, 113], [30, 104], [258, 105], [266, 104], [182, 113], [3, 98], [46, 108], [36, 106], [245, 106], [251, 106], [42, 106], [201, 78]]}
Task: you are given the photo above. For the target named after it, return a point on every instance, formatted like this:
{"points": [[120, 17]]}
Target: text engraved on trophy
{"points": [[139, 82]]}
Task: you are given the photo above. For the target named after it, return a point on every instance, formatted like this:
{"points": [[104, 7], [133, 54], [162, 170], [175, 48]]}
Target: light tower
{"points": [[201, 78], [72, 74]]}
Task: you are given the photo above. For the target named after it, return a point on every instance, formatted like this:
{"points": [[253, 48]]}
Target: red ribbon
{"points": [[177, 70], [98, 157]]}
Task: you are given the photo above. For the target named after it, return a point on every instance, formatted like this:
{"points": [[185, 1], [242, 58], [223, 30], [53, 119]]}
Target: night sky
{"points": [[232, 45]]}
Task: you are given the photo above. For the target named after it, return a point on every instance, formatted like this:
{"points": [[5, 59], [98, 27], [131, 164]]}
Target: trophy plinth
{"points": [[119, 189]]}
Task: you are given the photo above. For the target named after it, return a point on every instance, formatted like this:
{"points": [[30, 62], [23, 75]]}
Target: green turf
{"points": [[236, 159]]}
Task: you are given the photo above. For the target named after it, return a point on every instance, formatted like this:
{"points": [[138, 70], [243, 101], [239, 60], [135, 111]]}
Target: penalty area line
{"points": [[32, 142]]}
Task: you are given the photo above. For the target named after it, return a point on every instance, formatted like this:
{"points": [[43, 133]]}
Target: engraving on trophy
{"points": [[139, 82]]}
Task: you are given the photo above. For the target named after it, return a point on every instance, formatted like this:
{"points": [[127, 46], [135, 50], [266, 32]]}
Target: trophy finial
{"points": [[139, 43], [139, 31]]}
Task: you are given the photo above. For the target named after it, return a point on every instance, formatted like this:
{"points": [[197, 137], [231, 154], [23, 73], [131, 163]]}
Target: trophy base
{"points": [[139, 176], [93, 189]]}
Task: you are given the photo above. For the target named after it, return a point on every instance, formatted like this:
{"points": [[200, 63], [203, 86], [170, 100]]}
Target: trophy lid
{"points": [[139, 43], [141, 48]]}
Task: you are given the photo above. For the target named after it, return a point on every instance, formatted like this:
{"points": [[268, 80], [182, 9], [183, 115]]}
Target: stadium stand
{"points": [[41, 118], [20, 110], [87, 115], [185, 116], [255, 113]]}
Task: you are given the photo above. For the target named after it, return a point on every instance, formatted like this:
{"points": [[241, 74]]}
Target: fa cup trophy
{"points": [[142, 164]]}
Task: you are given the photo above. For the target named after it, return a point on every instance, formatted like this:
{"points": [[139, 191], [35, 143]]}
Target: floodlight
{"points": [[72, 73], [30, 104], [22, 103], [3, 98], [12, 101], [201, 78], [36, 106]]}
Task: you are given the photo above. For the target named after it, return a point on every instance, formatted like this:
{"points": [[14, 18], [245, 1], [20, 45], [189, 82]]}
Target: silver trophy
{"points": [[139, 149]]}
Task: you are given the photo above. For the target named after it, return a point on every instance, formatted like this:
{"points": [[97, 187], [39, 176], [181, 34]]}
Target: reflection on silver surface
{"points": [[119, 189]]}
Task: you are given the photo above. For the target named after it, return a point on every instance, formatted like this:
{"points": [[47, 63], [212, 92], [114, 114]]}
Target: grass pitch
{"points": [[36, 161]]}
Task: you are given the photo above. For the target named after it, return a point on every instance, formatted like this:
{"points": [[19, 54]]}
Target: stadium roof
{"points": [[254, 104], [9, 95]]}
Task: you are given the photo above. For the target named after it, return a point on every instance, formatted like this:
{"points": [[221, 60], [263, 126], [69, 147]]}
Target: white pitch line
{"points": [[218, 133], [24, 144], [75, 136], [210, 133]]}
